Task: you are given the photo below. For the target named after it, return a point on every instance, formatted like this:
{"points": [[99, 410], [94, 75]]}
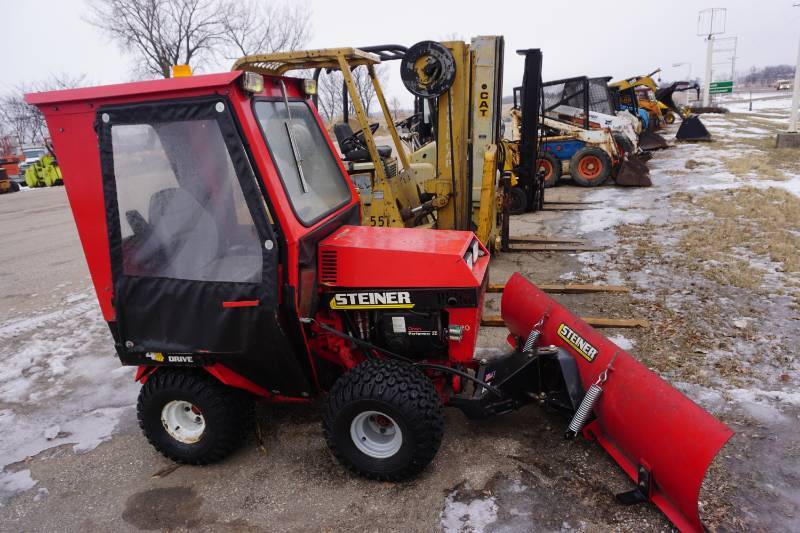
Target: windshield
{"points": [[309, 171], [30, 154]]}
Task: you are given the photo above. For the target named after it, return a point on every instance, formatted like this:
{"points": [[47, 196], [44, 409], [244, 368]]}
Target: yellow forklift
{"points": [[454, 181]]}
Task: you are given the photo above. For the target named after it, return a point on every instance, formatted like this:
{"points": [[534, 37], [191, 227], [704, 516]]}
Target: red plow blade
{"points": [[659, 437]]}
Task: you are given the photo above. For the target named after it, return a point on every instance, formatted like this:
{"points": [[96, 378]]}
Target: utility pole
{"points": [[795, 95], [791, 138], [795, 91], [709, 23], [707, 77]]}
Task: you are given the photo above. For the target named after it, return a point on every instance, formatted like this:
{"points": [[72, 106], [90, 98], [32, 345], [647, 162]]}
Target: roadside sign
{"points": [[721, 87]]}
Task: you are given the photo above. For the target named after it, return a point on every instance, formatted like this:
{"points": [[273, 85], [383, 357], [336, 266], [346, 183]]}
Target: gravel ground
{"points": [[74, 460]]}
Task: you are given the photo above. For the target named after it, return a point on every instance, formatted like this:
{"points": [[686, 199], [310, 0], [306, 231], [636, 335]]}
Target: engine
{"points": [[414, 335]]}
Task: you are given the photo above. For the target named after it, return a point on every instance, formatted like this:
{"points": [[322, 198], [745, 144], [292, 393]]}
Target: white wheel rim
{"points": [[376, 434], [183, 421]]}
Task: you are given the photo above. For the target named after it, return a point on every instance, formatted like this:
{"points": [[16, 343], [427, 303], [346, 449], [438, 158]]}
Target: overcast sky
{"points": [[597, 37]]}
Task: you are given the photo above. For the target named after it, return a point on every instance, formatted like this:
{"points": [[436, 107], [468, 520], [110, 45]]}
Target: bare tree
{"points": [[394, 107], [330, 95], [25, 122], [331, 86], [163, 33], [251, 27], [364, 86]]}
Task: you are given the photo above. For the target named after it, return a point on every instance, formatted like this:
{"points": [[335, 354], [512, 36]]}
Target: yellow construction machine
{"points": [[638, 95], [454, 180]]}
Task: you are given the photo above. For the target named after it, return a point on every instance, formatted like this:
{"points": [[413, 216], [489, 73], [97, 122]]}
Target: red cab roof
{"points": [[102, 92]]}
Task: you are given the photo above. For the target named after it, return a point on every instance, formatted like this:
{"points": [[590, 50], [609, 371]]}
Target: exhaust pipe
{"points": [[660, 438]]}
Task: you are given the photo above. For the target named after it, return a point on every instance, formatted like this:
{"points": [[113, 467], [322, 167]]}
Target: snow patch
{"points": [[60, 383], [621, 341], [468, 517], [14, 482]]}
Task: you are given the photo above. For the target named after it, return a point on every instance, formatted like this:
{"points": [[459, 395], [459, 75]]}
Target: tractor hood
{"points": [[362, 256]]}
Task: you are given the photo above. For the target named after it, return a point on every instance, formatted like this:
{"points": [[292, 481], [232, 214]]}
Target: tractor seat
{"points": [[191, 239], [351, 150]]}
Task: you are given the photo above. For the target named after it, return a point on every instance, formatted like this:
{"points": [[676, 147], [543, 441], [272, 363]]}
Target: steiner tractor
{"points": [[222, 236]]}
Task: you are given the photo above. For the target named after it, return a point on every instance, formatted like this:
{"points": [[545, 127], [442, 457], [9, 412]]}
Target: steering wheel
{"points": [[150, 252], [408, 122], [358, 137]]}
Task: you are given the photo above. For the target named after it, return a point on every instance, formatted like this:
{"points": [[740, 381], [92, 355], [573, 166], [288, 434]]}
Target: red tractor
{"points": [[223, 239]]}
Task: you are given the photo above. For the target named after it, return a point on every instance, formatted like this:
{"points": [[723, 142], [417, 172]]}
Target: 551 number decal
{"points": [[380, 221]]}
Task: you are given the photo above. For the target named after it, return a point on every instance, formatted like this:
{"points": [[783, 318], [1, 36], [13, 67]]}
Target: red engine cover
{"points": [[363, 256]]}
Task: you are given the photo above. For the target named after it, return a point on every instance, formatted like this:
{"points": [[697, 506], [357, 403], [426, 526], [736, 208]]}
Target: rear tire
{"points": [[669, 118], [383, 420], [517, 200], [14, 186], [590, 167], [550, 166], [192, 418]]}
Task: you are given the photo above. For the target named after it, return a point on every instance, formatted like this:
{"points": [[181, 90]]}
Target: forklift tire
{"points": [[517, 200], [590, 166], [215, 417], [669, 118], [550, 167], [14, 186], [383, 420]]}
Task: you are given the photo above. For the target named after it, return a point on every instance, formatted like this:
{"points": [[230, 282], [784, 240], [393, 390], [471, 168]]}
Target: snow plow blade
{"points": [[692, 129], [633, 173], [660, 438], [649, 140]]}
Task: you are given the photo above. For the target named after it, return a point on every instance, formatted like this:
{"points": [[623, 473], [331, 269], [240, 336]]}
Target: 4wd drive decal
{"points": [[372, 300], [578, 343]]}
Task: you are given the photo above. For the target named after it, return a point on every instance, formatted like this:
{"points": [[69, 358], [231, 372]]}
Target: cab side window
{"points": [[181, 209]]}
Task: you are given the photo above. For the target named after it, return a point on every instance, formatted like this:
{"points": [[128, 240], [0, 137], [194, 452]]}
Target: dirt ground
{"points": [[724, 330]]}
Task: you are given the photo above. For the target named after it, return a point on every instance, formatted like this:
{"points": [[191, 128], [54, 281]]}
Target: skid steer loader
{"points": [[638, 93], [582, 137], [232, 266]]}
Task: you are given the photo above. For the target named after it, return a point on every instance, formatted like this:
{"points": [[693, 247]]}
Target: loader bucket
{"points": [[649, 140], [633, 173], [692, 129], [660, 438]]}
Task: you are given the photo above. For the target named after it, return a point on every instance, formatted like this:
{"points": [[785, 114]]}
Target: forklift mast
{"points": [[530, 104]]}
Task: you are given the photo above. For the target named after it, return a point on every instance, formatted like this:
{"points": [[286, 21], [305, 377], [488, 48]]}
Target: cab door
{"points": [[194, 258]]}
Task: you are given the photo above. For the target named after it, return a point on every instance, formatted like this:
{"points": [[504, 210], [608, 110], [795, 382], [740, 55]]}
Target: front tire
{"points": [[192, 418], [517, 200], [550, 168], [590, 167], [384, 420]]}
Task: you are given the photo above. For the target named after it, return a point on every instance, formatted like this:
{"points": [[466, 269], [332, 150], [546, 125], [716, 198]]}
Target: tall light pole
{"points": [[709, 23], [687, 63], [707, 77], [791, 138], [795, 92]]}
